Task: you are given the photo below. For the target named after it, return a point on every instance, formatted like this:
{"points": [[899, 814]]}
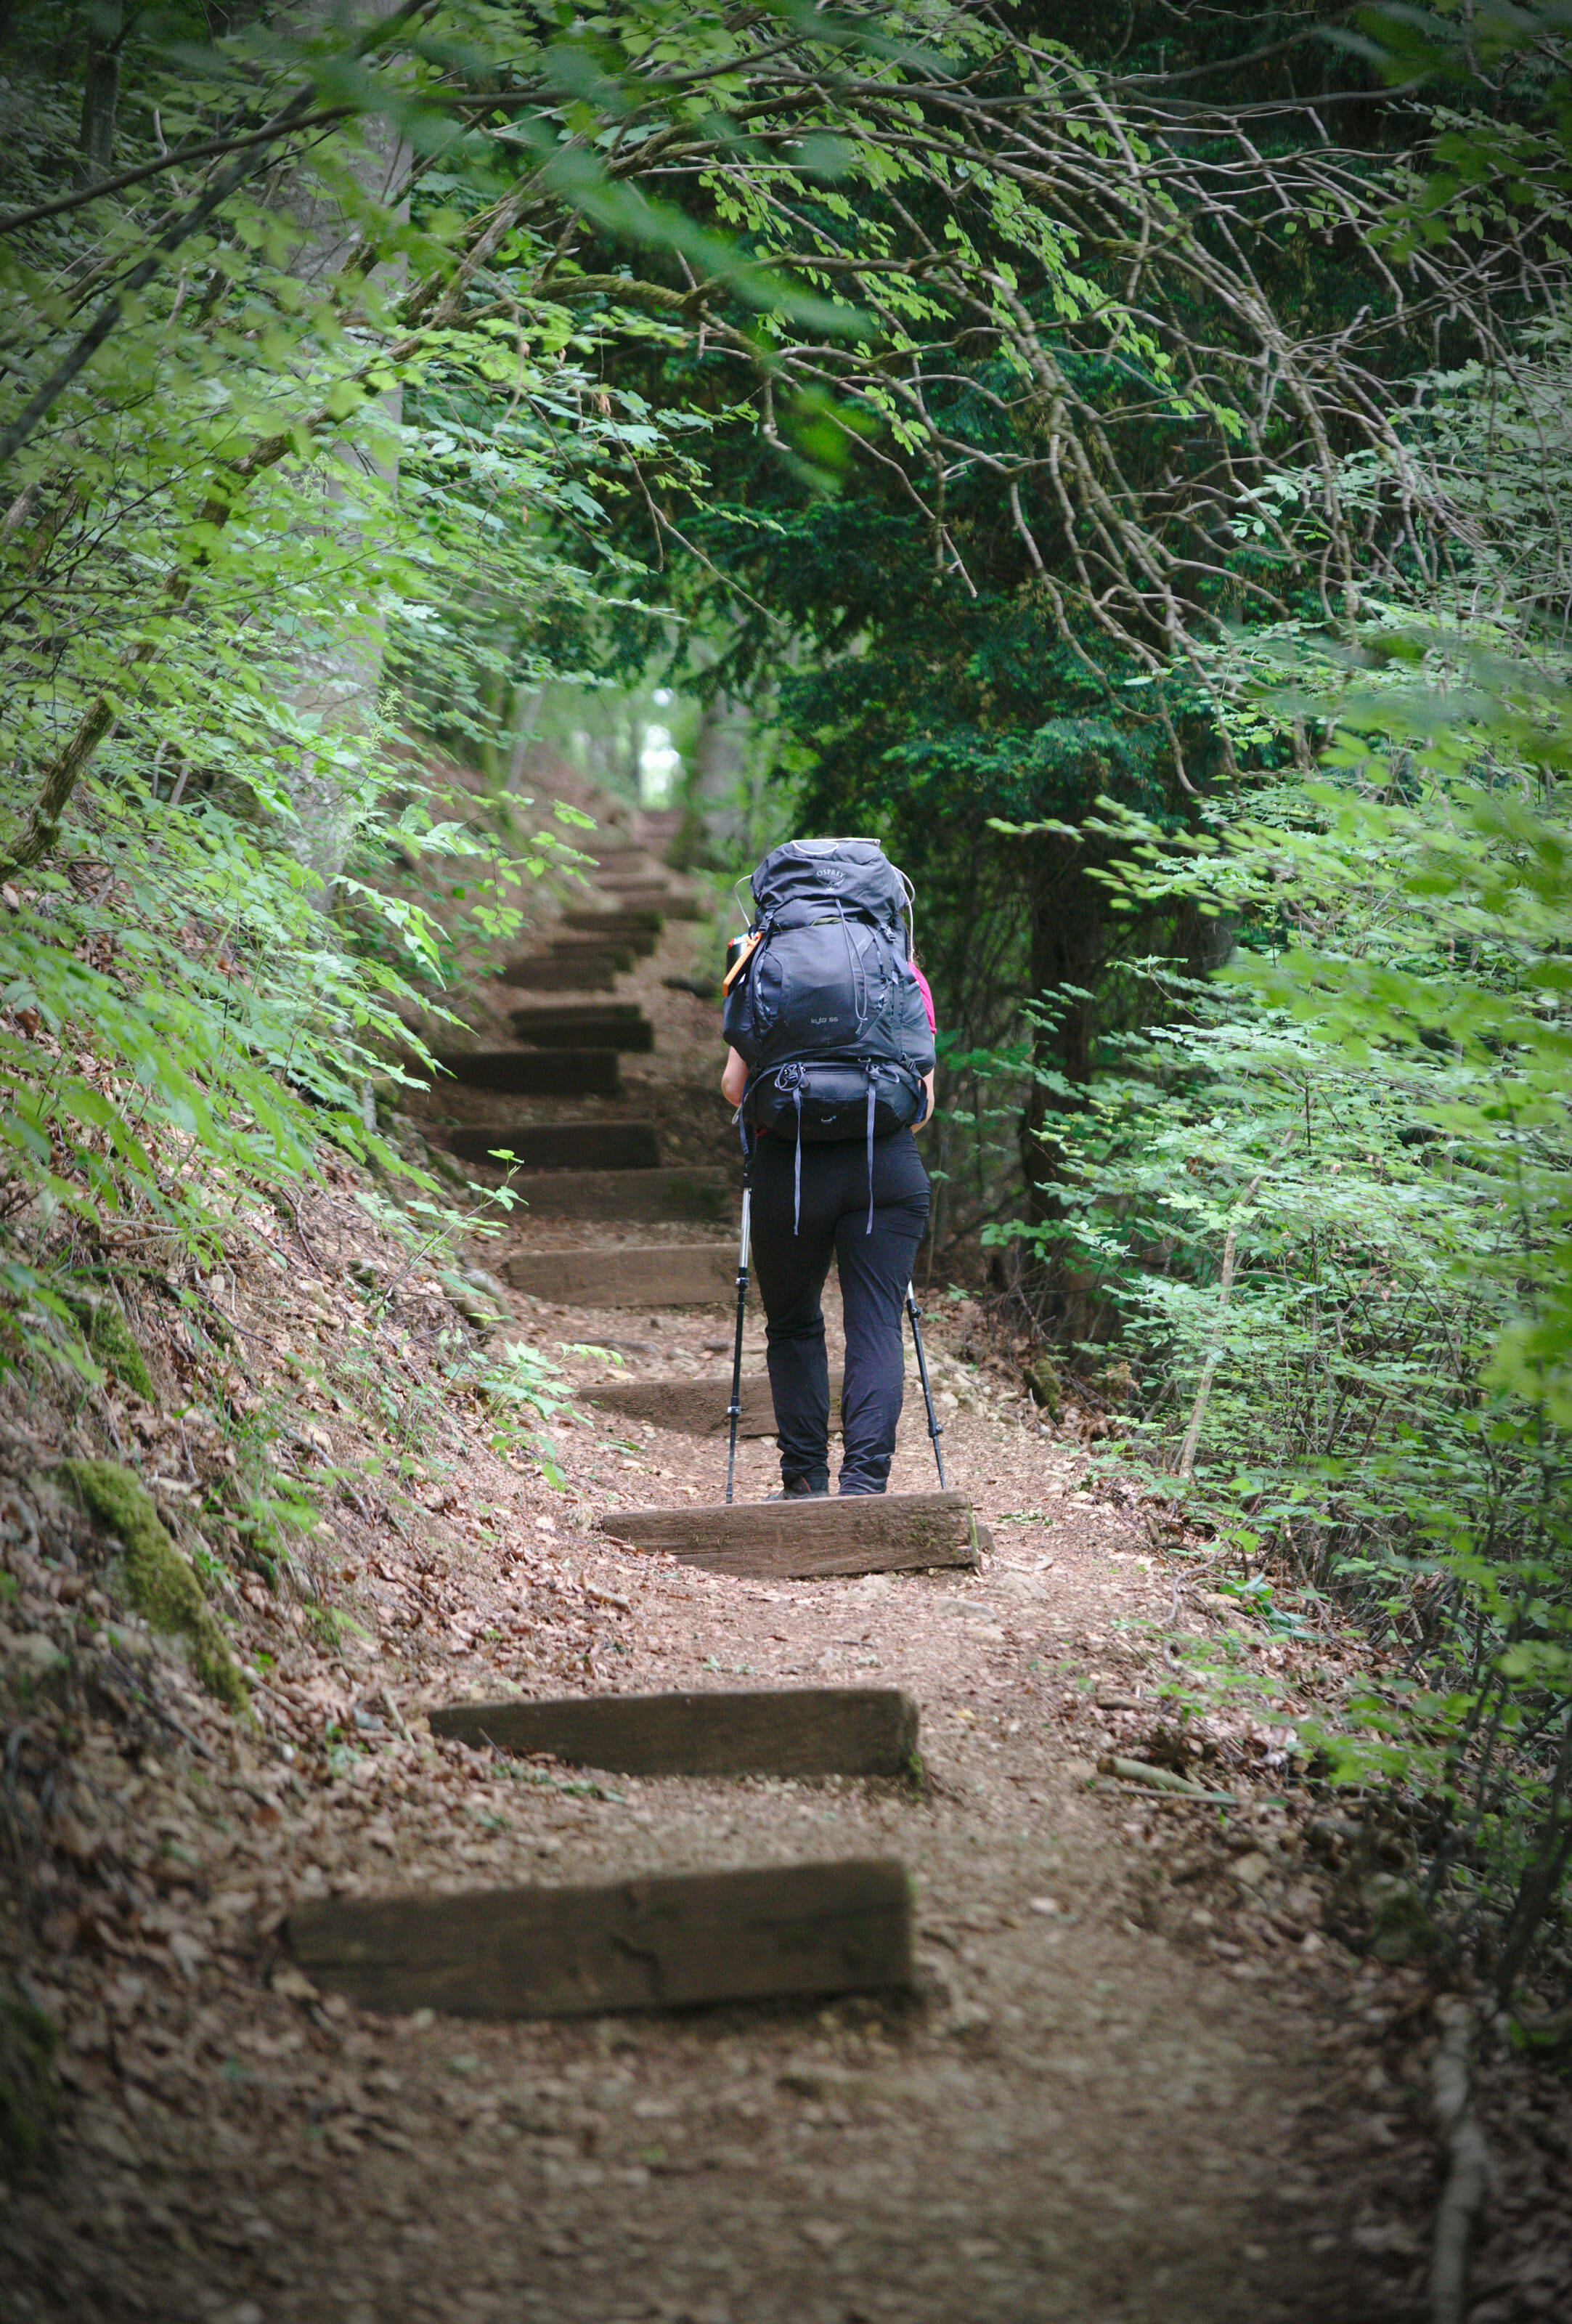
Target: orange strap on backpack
{"points": [[744, 956]]}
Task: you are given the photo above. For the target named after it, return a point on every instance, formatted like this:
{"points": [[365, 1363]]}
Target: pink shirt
{"points": [[927, 996]]}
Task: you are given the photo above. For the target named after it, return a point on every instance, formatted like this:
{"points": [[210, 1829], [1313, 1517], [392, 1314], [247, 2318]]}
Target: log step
{"points": [[603, 1147], [701, 1198], [821, 1730], [634, 919], [697, 1407], [625, 859], [613, 1025], [672, 903], [808, 1539], [563, 972], [633, 1275], [537, 1073], [625, 944], [655, 1943]]}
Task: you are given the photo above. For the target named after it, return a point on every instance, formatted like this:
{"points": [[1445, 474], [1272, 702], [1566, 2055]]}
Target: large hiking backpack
{"points": [[818, 1004]]}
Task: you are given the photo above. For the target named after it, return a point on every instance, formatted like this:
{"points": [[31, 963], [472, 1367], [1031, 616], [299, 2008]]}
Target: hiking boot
{"points": [[798, 1488]]}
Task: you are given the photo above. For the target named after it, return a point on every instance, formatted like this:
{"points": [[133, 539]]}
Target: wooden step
{"points": [[628, 1275], [818, 1730], [648, 1943], [637, 919], [537, 1073], [625, 946], [701, 1198], [673, 902], [607, 1147], [613, 1025], [697, 1407], [638, 889], [802, 1540], [561, 972]]}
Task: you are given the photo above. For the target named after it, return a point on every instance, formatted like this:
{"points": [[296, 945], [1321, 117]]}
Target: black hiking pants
{"points": [[875, 1270]]}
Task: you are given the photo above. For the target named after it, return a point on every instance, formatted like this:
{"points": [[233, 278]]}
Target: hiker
{"points": [[830, 1027]]}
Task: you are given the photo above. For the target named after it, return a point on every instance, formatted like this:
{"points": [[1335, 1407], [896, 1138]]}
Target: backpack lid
{"points": [[807, 877]]}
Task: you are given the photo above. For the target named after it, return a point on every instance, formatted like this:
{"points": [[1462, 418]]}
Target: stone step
{"points": [[808, 1539], [697, 1407], [600, 1025], [608, 1148], [701, 1198], [648, 1943], [810, 1730], [537, 1073], [628, 1275], [561, 972]]}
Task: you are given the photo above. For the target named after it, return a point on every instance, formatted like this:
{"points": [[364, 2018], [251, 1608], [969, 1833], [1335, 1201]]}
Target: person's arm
{"points": [[926, 1115], [734, 1080]]}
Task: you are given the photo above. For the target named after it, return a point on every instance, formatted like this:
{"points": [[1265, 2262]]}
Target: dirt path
{"points": [[1135, 2080]]}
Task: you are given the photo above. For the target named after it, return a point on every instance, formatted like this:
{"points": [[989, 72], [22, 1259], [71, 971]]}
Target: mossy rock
{"points": [[162, 1587], [1044, 1385], [29, 2101], [108, 1335], [1400, 1930]]}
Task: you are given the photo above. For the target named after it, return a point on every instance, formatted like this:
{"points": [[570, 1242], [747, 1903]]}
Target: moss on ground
{"points": [[163, 1588], [110, 1338]]}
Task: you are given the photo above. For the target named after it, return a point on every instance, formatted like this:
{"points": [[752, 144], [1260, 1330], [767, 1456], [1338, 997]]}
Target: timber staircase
{"points": [[798, 1930]]}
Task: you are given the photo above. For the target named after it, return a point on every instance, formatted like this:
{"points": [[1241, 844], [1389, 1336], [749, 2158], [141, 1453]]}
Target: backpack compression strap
{"points": [[872, 1093]]}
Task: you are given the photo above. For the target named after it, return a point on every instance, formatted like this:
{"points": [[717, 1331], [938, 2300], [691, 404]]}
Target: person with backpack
{"points": [[829, 1063]]}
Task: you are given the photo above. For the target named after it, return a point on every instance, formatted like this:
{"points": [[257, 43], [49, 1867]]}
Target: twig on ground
{"points": [[1470, 2174], [142, 1696], [396, 1715], [303, 1238], [1136, 1771]]}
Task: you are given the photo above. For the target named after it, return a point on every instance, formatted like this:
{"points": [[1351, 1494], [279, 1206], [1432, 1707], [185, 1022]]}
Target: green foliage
{"points": [[525, 1392], [1330, 1204], [161, 1586]]}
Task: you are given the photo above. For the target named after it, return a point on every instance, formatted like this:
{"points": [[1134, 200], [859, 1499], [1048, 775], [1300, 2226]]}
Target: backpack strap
{"points": [[872, 1071], [792, 1077]]}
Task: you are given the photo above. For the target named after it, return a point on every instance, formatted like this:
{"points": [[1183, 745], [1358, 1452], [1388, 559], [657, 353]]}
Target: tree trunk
{"points": [[101, 97], [1070, 943]]}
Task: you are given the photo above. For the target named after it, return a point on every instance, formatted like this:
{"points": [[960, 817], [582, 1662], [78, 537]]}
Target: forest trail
{"points": [[1134, 2081]]}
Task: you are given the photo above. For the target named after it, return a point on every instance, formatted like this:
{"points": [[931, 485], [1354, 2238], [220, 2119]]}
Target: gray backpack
{"points": [[822, 1003]]}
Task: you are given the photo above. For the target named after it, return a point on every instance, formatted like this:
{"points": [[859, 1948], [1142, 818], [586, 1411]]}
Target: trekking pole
{"points": [[734, 1409], [936, 1428]]}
